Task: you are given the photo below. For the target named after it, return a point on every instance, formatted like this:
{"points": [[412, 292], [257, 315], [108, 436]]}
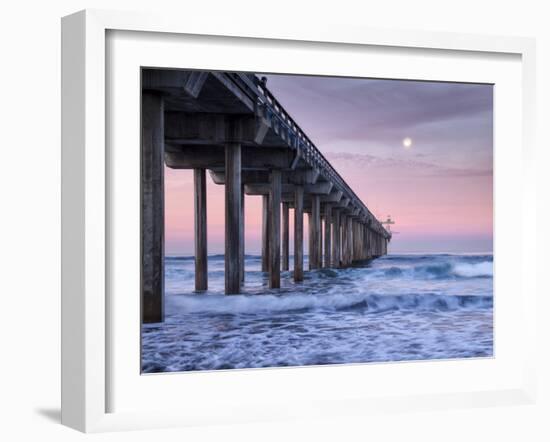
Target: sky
{"points": [[421, 152]]}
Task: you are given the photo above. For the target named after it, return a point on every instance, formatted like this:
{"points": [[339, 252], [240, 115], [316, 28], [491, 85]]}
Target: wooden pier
{"points": [[230, 125]]}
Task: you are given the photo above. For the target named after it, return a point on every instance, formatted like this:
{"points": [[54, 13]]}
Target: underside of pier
{"points": [[229, 127]]}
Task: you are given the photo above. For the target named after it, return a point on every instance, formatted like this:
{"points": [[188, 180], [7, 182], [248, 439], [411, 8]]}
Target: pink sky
{"points": [[439, 190]]}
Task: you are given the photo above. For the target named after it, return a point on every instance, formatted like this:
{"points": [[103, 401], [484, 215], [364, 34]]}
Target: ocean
{"points": [[396, 308]]}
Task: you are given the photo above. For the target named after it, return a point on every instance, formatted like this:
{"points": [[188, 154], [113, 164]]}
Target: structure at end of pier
{"points": [[231, 126]]}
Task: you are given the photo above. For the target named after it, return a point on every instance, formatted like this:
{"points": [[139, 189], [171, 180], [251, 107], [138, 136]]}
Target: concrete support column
{"points": [[354, 240], [367, 242], [152, 207], [310, 236], [336, 239], [286, 232], [350, 241], [316, 230], [344, 227], [359, 240], [367, 245], [299, 234], [265, 233], [328, 224], [201, 243], [321, 240], [371, 243], [363, 242], [233, 213], [275, 230], [241, 237]]}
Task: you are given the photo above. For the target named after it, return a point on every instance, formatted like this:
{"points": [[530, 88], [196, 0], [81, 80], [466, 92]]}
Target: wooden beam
{"points": [[302, 177], [233, 217], [265, 188], [275, 230], [201, 245], [299, 234], [333, 197], [213, 157], [195, 82], [320, 188], [182, 128], [152, 207], [343, 202], [285, 237]]}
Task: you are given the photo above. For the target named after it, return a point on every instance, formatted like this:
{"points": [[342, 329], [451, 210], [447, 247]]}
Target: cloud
{"points": [[399, 166], [380, 106]]}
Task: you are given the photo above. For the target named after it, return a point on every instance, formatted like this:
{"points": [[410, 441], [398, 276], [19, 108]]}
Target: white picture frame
{"points": [[87, 208]]}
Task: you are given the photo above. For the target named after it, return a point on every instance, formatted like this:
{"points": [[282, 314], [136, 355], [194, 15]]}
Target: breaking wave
{"points": [[442, 270], [372, 303]]}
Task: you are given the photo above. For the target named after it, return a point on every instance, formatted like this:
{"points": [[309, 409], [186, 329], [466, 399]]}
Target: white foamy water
{"points": [[400, 307]]}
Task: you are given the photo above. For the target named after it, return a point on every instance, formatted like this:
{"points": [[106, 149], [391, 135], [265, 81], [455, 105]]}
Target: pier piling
{"points": [[328, 224], [285, 236], [265, 233], [299, 234], [315, 231], [201, 247], [152, 207], [233, 213], [336, 239], [275, 230]]}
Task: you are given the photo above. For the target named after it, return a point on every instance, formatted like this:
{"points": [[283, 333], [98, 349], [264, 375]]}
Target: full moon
{"points": [[407, 143]]}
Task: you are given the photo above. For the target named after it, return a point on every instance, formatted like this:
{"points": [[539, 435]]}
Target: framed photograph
{"points": [[267, 223]]}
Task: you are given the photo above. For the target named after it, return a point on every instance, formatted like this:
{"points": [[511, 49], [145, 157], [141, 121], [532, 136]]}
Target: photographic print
{"points": [[301, 220]]}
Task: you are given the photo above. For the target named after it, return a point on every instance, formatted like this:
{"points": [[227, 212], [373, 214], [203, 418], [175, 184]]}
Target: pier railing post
{"points": [[275, 229], [152, 207], [201, 247], [299, 234], [286, 238], [233, 213]]}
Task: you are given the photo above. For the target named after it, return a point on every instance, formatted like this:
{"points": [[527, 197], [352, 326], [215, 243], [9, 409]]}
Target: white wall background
{"points": [[30, 218]]}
